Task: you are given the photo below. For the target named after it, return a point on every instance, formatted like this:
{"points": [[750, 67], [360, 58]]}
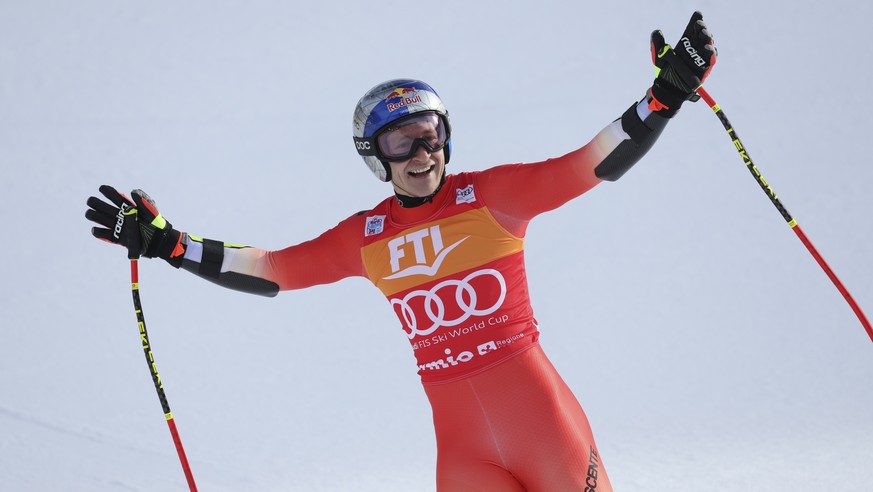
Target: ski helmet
{"points": [[387, 103]]}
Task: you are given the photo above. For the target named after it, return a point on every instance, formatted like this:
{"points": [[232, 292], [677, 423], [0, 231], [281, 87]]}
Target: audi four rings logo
{"points": [[466, 298]]}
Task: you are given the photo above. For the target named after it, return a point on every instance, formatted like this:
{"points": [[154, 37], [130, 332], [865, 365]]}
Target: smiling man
{"points": [[413, 146], [447, 251]]}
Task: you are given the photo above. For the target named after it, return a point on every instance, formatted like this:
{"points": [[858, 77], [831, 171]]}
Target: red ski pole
{"points": [[156, 378], [744, 154]]}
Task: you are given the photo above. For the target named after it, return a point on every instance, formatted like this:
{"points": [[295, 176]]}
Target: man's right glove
{"points": [[135, 224], [679, 72]]}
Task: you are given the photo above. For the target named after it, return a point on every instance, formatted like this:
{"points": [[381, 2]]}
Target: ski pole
{"points": [[744, 154], [156, 378]]}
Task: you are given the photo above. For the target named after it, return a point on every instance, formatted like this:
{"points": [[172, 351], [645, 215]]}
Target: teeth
{"points": [[421, 171]]}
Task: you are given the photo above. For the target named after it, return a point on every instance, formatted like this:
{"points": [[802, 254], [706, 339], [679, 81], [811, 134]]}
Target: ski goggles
{"points": [[401, 140]]}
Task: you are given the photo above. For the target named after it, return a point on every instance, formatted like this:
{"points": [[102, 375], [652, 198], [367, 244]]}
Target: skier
{"points": [[447, 252]]}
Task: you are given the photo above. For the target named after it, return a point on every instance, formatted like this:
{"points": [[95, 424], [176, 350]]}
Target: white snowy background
{"points": [[709, 350]]}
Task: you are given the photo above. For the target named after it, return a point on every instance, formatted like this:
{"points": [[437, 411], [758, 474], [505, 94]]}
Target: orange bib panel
{"points": [[456, 281]]}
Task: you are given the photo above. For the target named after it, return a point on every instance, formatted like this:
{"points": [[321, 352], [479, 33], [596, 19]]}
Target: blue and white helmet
{"points": [[385, 104]]}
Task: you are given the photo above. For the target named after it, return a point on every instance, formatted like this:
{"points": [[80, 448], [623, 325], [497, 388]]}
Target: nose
{"points": [[421, 153]]}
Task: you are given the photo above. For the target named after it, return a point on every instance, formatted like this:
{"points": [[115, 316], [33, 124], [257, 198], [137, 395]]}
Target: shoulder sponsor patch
{"points": [[465, 195], [375, 225]]}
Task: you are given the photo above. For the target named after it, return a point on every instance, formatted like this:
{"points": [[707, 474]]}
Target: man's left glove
{"points": [[680, 71], [135, 224]]}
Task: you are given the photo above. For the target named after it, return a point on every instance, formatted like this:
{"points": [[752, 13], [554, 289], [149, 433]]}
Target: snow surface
{"points": [[709, 350]]}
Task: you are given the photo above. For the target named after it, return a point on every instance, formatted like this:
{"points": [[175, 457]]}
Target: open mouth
{"points": [[421, 172]]}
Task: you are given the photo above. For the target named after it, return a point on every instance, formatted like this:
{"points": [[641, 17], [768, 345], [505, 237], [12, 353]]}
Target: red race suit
{"points": [[453, 272]]}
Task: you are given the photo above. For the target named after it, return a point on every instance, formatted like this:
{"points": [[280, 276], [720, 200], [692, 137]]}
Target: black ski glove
{"points": [[135, 224], [679, 72]]}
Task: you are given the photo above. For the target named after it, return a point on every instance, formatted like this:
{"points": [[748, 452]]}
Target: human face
{"points": [[417, 143]]}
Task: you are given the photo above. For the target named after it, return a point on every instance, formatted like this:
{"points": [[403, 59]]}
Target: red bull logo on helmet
{"points": [[406, 95]]}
